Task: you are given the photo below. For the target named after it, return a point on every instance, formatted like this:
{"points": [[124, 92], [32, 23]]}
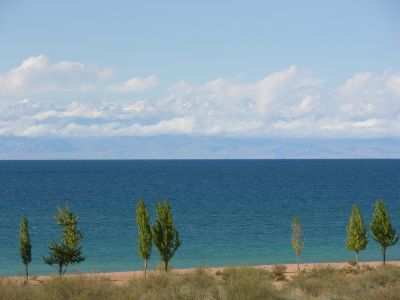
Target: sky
{"points": [[246, 75]]}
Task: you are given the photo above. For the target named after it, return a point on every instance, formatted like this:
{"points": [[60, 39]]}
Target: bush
{"points": [[380, 277], [197, 285], [318, 281], [278, 272], [12, 290], [76, 287], [192, 285], [330, 283], [352, 263], [160, 267], [248, 283]]}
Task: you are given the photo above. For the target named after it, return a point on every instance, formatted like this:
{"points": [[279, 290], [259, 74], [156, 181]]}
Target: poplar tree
{"points": [[68, 252], [381, 228], [356, 232], [144, 232], [165, 236], [297, 239], [25, 247]]}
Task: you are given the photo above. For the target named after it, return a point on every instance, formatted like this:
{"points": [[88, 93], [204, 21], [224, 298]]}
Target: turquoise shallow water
{"points": [[227, 211]]}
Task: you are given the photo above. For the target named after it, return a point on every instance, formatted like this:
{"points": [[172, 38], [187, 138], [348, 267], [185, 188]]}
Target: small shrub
{"points": [[367, 268], [388, 292], [160, 267], [323, 272], [12, 290], [76, 287], [196, 285], [154, 286], [380, 277], [352, 270], [278, 272], [248, 283], [352, 263], [319, 281]]}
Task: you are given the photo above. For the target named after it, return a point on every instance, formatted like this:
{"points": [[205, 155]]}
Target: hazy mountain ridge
{"points": [[181, 147]]}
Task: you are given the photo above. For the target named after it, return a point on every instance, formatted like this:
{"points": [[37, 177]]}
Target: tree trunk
{"points": [[145, 267], [26, 272], [356, 257], [166, 266], [384, 256], [298, 263], [60, 270]]}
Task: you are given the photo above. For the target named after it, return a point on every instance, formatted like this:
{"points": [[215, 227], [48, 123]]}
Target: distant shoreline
{"points": [[192, 159], [125, 276]]}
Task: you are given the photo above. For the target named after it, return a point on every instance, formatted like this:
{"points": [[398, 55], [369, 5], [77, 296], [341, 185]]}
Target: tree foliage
{"points": [[165, 236], [25, 247], [382, 229], [356, 232], [297, 238], [68, 252], [144, 232]]}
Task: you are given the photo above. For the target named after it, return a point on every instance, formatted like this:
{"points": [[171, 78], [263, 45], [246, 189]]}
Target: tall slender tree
{"points": [[25, 247], [356, 232], [144, 232], [382, 229], [68, 252], [297, 239], [165, 236]]}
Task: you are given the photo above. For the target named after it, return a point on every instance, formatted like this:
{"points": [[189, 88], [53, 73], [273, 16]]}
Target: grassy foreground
{"points": [[231, 283]]}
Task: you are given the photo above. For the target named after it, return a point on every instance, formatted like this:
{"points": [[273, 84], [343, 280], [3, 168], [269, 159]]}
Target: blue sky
{"points": [[198, 42], [219, 69]]}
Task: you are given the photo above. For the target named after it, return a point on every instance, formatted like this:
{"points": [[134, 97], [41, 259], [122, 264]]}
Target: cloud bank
{"points": [[37, 74], [290, 103], [135, 84]]}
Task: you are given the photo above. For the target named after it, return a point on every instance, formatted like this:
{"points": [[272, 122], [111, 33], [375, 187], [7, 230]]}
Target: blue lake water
{"points": [[227, 211]]}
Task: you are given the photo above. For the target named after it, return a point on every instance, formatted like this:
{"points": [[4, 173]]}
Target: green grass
{"points": [[232, 283]]}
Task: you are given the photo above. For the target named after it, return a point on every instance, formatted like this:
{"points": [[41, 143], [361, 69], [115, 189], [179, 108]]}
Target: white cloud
{"points": [[289, 103], [135, 84], [356, 83], [134, 107], [37, 74], [74, 109], [367, 95], [394, 83]]}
